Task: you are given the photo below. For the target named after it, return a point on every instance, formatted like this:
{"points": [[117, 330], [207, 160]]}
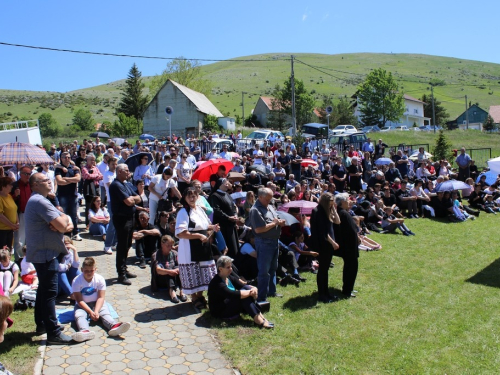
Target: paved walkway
{"points": [[164, 338]]}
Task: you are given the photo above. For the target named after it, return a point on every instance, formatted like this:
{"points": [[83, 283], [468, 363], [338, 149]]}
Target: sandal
{"points": [[199, 304]]}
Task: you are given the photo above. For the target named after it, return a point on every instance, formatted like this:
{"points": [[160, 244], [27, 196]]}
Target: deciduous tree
{"points": [[83, 119], [48, 125], [379, 100], [489, 124], [186, 72], [126, 126]]}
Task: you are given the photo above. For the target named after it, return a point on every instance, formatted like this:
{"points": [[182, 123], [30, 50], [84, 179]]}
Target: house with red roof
{"points": [[495, 113], [265, 105]]}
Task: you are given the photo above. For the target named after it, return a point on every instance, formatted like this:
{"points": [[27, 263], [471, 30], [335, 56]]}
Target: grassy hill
{"points": [[332, 74]]}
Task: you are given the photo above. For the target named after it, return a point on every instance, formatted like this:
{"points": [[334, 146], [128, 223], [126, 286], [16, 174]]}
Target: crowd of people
{"points": [[223, 236]]}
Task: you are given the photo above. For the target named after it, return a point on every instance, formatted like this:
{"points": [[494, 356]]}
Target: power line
{"points": [[319, 70], [135, 56]]}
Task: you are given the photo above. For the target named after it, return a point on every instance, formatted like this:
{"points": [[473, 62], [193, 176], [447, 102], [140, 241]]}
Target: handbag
{"points": [[165, 204]]}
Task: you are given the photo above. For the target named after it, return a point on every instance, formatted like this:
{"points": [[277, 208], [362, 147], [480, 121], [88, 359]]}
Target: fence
{"points": [[480, 156], [409, 148]]}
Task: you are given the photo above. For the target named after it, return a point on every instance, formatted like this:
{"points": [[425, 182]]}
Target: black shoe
{"points": [[183, 298], [174, 300], [313, 271], [40, 330], [332, 264], [277, 295], [62, 339], [298, 277], [411, 233], [130, 275], [406, 234], [325, 299], [348, 295], [124, 280], [142, 263]]}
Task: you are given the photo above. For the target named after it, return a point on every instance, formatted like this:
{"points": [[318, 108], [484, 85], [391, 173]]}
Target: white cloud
{"points": [[304, 17]]}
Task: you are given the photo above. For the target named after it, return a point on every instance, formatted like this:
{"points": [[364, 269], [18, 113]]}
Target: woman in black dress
{"points": [[322, 219], [346, 233], [339, 174]]}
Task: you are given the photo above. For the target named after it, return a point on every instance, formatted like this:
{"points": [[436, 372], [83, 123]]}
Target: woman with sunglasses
{"points": [[6, 309], [144, 172], [196, 263]]}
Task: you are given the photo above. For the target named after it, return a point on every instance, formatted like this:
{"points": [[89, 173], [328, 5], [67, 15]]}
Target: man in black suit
{"points": [[225, 215]]}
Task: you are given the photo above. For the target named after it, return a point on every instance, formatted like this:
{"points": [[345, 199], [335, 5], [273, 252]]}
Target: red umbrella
{"points": [[306, 207], [207, 169], [308, 162]]}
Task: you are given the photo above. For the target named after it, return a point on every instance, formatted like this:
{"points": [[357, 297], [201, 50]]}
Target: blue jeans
{"points": [[45, 305], [267, 263], [111, 232], [65, 279], [98, 229], [69, 206]]}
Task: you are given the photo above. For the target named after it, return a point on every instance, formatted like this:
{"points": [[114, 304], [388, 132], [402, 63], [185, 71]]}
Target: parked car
{"points": [[387, 128], [402, 128], [370, 129], [218, 143], [341, 140], [344, 129], [314, 130], [258, 136]]}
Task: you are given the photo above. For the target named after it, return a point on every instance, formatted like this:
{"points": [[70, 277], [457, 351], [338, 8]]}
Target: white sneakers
{"points": [[108, 250], [85, 335], [77, 237], [119, 328]]}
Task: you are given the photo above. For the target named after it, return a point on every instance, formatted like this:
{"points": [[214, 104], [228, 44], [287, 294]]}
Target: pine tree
{"points": [[440, 112], [442, 150], [489, 124], [133, 102]]}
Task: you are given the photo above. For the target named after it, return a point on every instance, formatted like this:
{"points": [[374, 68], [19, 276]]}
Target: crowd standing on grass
{"points": [[219, 232]]}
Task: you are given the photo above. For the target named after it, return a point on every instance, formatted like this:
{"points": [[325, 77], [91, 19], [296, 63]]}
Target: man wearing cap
{"points": [[225, 215], [266, 227]]}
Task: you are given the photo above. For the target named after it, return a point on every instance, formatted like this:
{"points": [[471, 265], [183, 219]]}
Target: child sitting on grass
{"points": [[89, 289], [390, 223], [9, 272], [489, 205], [28, 272], [365, 243]]}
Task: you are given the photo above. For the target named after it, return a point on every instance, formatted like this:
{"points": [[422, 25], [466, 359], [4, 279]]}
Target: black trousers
{"points": [[237, 306], [463, 173], [146, 246], [349, 274], [167, 281], [6, 238], [124, 226], [324, 259]]}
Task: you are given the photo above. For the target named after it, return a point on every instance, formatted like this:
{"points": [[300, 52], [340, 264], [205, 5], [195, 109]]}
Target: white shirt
{"points": [[226, 155], [184, 170], [103, 167], [199, 217], [108, 177], [88, 289], [160, 186], [26, 267], [257, 161]]}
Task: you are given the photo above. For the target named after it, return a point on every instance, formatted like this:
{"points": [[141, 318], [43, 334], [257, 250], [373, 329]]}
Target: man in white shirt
{"points": [[190, 158], [257, 155], [213, 154], [103, 167], [225, 154]]}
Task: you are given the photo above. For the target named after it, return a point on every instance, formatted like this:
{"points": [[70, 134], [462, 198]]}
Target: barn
{"points": [[189, 111]]}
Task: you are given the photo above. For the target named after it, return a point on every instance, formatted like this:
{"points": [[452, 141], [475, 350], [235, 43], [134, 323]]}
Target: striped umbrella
{"points": [[24, 153]]}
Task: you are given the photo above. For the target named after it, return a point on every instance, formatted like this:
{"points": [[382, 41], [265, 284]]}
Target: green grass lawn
{"points": [[19, 351], [426, 304]]}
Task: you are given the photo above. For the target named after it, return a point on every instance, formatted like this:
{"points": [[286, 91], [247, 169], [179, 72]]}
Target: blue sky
{"points": [[226, 29]]}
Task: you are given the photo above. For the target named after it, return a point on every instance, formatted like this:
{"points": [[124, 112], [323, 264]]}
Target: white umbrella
{"points": [[414, 156], [239, 194]]}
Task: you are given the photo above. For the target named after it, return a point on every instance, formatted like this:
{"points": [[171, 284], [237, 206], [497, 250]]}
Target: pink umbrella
{"points": [[234, 155], [308, 162], [306, 207]]}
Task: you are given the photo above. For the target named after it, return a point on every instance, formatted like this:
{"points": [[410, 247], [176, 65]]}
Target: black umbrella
{"points": [[134, 160], [259, 168], [99, 134]]}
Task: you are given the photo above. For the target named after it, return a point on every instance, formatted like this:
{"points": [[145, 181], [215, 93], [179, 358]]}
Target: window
{"points": [[415, 111]]}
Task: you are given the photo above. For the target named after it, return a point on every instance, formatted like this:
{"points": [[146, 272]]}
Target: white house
{"points": [[414, 113], [189, 111]]}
